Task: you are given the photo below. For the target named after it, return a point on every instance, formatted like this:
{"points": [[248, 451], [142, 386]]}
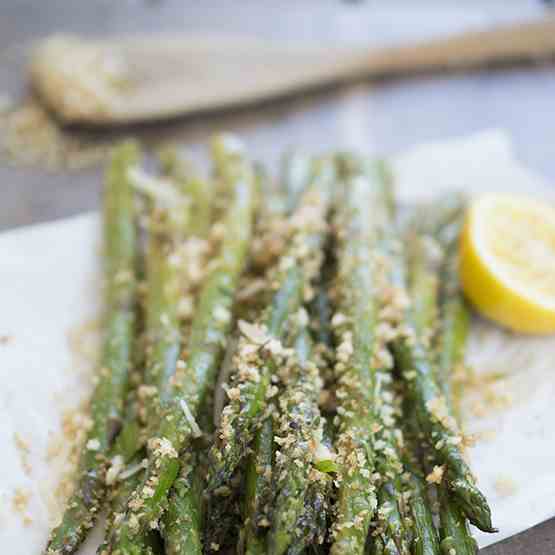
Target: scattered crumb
{"points": [[484, 392], [5, 339], [20, 503], [505, 486], [64, 449], [54, 448], [24, 451], [20, 500], [490, 400], [483, 435], [32, 137], [84, 343], [436, 475]]}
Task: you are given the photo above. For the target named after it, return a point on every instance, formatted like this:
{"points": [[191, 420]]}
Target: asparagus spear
{"points": [[389, 532], [169, 232], [167, 225], [363, 216], [258, 489], [453, 330], [200, 191], [299, 435], [194, 376], [162, 334], [433, 219], [260, 349], [259, 477], [127, 481], [437, 222], [414, 358], [181, 525], [108, 398], [424, 534], [223, 525], [310, 530], [296, 172]]}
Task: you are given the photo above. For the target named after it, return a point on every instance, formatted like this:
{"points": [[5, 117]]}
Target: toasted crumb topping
{"points": [[436, 475]]}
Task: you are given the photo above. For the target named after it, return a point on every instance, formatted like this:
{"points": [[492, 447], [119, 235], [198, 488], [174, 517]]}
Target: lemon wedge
{"points": [[507, 261]]}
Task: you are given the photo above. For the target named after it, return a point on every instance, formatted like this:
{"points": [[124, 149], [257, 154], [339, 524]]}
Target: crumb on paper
{"points": [[20, 503], [84, 342], [5, 339], [63, 451], [490, 400], [32, 137], [482, 435], [24, 451], [484, 393], [505, 486]]}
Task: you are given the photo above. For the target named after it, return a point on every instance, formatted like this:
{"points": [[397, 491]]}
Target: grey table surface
{"points": [[377, 117]]}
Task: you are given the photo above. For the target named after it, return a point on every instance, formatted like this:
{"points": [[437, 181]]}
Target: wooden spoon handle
{"points": [[527, 42]]}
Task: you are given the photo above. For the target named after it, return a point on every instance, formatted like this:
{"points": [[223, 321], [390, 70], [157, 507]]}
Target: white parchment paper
{"points": [[49, 296]]}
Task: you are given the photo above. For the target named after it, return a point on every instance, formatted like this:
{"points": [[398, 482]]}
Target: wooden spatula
{"points": [[152, 77]]}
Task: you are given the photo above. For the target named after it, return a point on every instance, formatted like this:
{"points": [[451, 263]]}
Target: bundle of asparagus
{"points": [[276, 374]]}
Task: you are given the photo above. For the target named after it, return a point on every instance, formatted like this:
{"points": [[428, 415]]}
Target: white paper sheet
{"points": [[49, 285]]}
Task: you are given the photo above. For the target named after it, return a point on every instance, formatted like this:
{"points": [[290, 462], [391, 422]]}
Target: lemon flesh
{"points": [[507, 262]]}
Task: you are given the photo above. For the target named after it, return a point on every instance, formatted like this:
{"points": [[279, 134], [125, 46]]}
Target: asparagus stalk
{"points": [[195, 376], [168, 233], [432, 220], [107, 403], [389, 534], [414, 358], [260, 350], [363, 217], [167, 228], [119, 496], [258, 489], [310, 529], [200, 191], [424, 534], [259, 472], [301, 450], [296, 172], [162, 333], [424, 539], [181, 524], [223, 525], [453, 331]]}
